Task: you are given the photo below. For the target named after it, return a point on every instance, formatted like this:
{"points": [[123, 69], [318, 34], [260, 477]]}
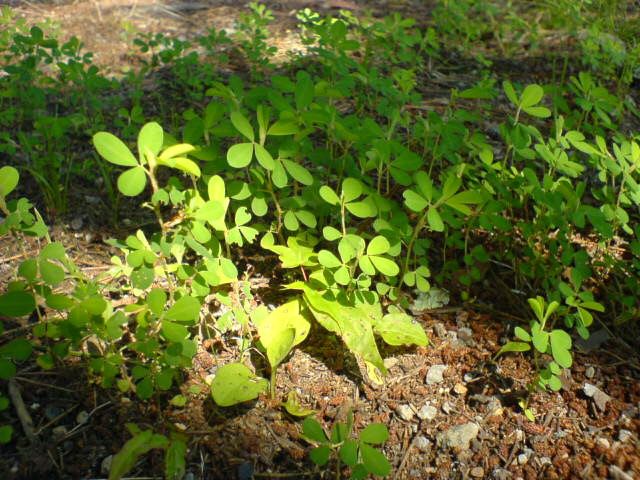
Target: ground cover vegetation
{"points": [[334, 165]]}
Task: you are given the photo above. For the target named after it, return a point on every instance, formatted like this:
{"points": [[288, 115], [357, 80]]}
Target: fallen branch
{"points": [[21, 410]]}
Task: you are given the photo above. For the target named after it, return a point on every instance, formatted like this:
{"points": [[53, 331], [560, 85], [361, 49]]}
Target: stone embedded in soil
{"points": [[501, 474], [522, 459], [624, 435], [105, 466], [465, 335], [447, 408], [477, 472], [427, 412], [590, 372], [603, 443], [459, 389], [423, 444], [82, 417], [435, 374], [617, 473], [405, 412], [439, 330], [599, 397], [459, 437]]}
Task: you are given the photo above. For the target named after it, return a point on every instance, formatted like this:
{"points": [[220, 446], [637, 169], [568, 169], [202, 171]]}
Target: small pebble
{"points": [[468, 377], [603, 443], [423, 444], [105, 466], [82, 417], [405, 412], [459, 389], [439, 330], [447, 408], [544, 461], [427, 412], [522, 459], [501, 474], [590, 372], [390, 362], [435, 374], [465, 335], [519, 435], [616, 473], [477, 472], [624, 435]]}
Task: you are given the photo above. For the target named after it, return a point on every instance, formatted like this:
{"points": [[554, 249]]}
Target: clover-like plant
{"points": [[355, 451]]}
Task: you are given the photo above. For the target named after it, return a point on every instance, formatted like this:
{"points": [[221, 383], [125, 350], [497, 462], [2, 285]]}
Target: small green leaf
{"points": [[242, 125], [8, 180], [414, 201], [362, 209], [51, 273], [6, 432], [132, 182], [174, 459], [378, 245], [7, 369], [351, 189], [298, 172], [331, 233], [174, 332], [522, 334], [538, 112], [435, 220], [150, 138], [312, 430], [375, 461], [293, 407], [398, 328], [320, 455], [560, 348], [349, 452], [374, 433], [19, 349], [328, 195], [113, 150], [186, 309], [234, 383], [510, 93], [514, 347], [17, 304], [328, 259], [264, 157], [283, 127], [240, 155], [531, 96]]}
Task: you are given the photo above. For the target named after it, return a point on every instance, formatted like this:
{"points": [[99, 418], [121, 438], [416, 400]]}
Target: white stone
{"points": [[427, 412], [435, 374], [405, 412]]}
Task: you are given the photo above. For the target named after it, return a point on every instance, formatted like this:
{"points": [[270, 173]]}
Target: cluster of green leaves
{"points": [[357, 452], [143, 441], [330, 167]]}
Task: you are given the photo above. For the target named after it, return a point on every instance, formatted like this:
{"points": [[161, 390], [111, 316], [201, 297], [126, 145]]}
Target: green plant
{"points": [[144, 441], [355, 451]]}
